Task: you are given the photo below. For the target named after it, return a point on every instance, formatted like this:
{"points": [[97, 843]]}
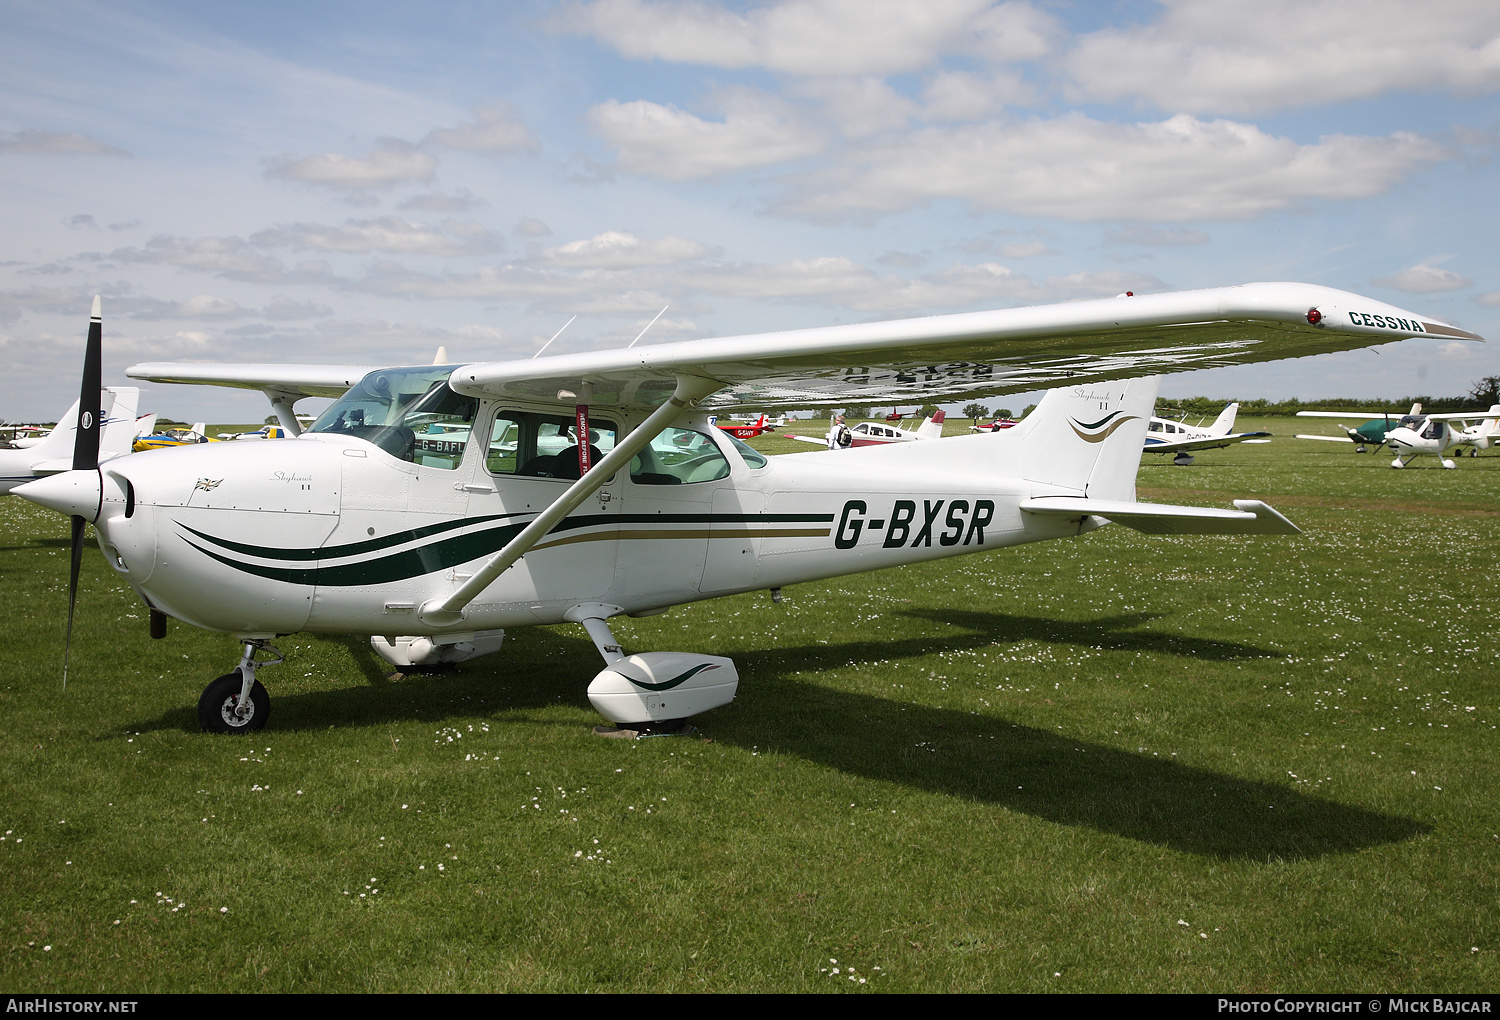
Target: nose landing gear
{"points": [[237, 702]]}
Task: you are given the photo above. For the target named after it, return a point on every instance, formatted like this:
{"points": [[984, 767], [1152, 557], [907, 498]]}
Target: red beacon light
{"points": [[1314, 316]]}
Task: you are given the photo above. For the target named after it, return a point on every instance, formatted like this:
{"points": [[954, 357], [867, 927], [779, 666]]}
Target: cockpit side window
{"points": [[543, 445], [679, 457]]}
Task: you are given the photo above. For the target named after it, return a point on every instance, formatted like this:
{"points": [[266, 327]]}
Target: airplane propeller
{"points": [[85, 454]]}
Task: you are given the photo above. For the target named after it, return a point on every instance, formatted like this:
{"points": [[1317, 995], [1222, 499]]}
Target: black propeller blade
{"points": [[85, 453]]}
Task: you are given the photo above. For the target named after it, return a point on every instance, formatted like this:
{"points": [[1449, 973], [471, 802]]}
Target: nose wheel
{"points": [[237, 702], [222, 709]]}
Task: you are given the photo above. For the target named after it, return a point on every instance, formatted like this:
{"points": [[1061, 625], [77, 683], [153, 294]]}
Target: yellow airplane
{"points": [[174, 437]]}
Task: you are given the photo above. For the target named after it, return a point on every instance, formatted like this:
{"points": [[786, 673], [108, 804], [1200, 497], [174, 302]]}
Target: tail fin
{"points": [[200, 428], [59, 442], [1224, 423], [1088, 439], [932, 428], [145, 424], [118, 411], [1416, 408]]}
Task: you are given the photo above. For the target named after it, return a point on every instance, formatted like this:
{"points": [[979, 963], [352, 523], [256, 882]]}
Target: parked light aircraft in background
{"points": [[266, 432], [1416, 433], [873, 433], [354, 529], [996, 425], [174, 437], [36, 435], [1167, 436], [53, 452], [1370, 433], [740, 430]]}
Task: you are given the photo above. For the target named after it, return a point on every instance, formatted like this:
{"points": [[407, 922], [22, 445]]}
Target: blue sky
{"points": [[363, 182]]}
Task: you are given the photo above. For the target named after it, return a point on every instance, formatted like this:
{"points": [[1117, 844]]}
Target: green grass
{"points": [[1012, 771]]}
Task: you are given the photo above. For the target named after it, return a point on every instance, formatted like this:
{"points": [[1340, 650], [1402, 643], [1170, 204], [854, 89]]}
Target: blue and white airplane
{"points": [[1167, 436]]}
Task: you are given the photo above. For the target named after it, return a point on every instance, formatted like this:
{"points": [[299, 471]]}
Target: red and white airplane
{"points": [[872, 433], [747, 430]]}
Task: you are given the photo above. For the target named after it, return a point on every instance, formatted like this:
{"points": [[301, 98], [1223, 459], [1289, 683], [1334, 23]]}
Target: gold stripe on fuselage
{"points": [[765, 532]]}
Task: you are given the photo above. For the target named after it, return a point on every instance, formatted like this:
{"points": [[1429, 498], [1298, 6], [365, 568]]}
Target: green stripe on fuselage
{"points": [[445, 553]]}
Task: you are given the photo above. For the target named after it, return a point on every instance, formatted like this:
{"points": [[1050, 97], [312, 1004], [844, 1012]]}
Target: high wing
{"points": [[291, 380], [1466, 416], [1329, 439], [947, 358], [1211, 443], [938, 359]]}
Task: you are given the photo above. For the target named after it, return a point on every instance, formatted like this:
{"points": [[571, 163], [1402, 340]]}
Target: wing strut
{"points": [[449, 611]]}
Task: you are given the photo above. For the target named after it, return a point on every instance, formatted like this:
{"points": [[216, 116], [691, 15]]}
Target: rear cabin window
{"points": [[680, 457], [543, 445]]}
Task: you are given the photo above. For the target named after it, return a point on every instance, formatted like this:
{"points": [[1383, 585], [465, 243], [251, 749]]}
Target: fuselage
{"points": [[333, 533]]}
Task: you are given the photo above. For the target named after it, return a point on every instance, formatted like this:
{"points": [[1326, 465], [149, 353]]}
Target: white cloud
{"points": [[391, 162], [1490, 300], [1423, 279], [496, 129], [527, 226], [615, 250], [860, 106], [1226, 56], [229, 257], [30, 142], [1156, 236], [462, 200], [201, 306], [813, 37], [1077, 168], [386, 233], [284, 309], [670, 143], [962, 95], [840, 282], [1025, 249]]}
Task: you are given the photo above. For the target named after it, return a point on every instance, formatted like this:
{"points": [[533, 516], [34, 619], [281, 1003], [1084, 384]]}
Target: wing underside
{"points": [[949, 358]]}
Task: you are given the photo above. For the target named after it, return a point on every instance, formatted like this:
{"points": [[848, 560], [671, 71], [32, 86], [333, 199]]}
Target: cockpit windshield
{"points": [[393, 407]]}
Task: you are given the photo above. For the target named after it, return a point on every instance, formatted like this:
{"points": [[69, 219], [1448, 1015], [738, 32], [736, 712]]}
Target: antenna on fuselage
{"points": [[648, 326], [544, 346]]}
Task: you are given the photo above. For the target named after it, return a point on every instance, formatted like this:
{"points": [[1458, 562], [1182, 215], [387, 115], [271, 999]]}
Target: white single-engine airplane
{"points": [[1418, 433], [354, 528], [53, 452], [1167, 436], [874, 433]]}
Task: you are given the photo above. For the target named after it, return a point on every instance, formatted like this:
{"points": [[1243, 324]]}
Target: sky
{"points": [[361, 183]]}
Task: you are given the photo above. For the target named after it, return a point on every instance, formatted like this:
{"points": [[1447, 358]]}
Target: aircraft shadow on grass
{"points": [[984, 758]]}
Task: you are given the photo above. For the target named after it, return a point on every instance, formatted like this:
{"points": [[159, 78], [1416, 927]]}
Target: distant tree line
{"points": [[1261, 408], [1484, 394]]}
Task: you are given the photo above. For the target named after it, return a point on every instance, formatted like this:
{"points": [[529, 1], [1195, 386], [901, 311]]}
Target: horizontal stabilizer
{"points": [[1250, 516]]}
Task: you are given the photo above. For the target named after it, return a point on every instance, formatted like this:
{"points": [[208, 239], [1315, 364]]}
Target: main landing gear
{"points": [[236, 702], [1182, 460]]}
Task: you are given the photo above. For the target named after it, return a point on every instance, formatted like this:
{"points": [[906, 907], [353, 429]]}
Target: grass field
{"points": [[1113, 763]]}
